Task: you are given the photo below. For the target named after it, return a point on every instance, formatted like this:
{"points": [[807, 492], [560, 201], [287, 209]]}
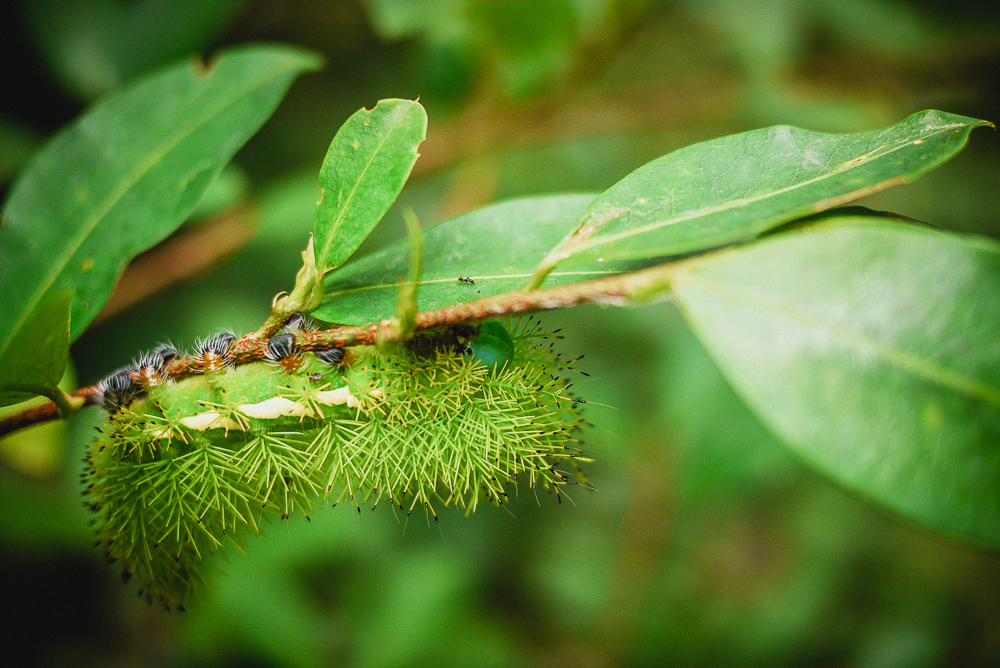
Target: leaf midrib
{"points": [[324, 259], [734, 204], [143, 168], [888, 353]]}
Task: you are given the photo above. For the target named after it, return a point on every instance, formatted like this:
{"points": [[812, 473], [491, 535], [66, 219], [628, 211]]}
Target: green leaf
{"points": [[496, 246], [17, 144], [230, 187], [35, 360], [365, 168], [733, 188], [872, 349], [126, 174], [92, 45]]}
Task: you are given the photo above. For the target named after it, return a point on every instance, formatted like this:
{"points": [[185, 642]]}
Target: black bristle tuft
{"points": [[213, 353], [281, 346], [331, 356], [218, 344], [167, 353], [298, 323], [119, 390]]}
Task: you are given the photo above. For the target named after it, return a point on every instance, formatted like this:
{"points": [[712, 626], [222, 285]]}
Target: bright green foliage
{"points": [[733, 188], [497, 247], [872, 349], [32, 366], [365, 167], [17, 144], [126, 175], [429, 427], [709, 543]]}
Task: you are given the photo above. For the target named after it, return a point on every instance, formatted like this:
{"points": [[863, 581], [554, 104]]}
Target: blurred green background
{"points": [[706, 543]]}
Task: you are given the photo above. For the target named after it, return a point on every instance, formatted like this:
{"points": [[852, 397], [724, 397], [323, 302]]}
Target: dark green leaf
{"points": [[365, 168], [496, 247], [95, 46], [733, 188], [229, 187], [872, 349], [35, 360], [126, 174], [17, 144]]}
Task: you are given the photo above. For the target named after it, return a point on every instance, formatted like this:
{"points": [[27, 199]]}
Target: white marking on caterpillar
{"points": [[211, 420], [270, 409], [337, 397], [276, 407]]}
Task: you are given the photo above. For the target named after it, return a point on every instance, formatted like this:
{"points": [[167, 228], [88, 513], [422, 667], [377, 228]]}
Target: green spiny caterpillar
{"points": [[449, 419]]}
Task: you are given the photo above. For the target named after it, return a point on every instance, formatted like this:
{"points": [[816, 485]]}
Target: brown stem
{"points": [[43, 412], [621, 290]]}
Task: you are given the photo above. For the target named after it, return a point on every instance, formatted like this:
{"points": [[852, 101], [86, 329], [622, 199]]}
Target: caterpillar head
{"points": [[457, 418]]}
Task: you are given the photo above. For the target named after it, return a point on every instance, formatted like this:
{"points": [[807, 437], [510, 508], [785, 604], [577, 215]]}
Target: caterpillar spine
{"points": [[453, 418]]}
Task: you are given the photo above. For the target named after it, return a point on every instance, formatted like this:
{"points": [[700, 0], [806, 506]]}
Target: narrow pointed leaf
{"points": [[126, 174], [495, 247], [734, 188], [365, 168], [872, 349], [35, 360]]}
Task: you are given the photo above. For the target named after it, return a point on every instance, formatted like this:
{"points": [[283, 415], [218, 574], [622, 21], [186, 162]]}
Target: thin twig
{"points": [[621, 290]]}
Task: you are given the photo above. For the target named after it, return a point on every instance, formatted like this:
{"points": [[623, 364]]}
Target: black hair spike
{"points": [[213, 352], [298, 323], [151, 361], [332, 355], [218, 344], [167, 353], [281, 346], [119, 390]]}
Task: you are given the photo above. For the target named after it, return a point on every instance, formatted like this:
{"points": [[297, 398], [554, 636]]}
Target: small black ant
{"points": [[466, 280]]}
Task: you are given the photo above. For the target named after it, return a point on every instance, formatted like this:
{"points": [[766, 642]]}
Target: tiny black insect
{"points": [[466, 280]]}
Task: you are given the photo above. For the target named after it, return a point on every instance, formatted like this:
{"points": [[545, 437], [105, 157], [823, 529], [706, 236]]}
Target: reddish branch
{"points": [[618, 290], [41, 413]]}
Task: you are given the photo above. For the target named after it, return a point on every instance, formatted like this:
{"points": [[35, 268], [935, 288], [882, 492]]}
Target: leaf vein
{"points": [[889, 353], [91, 222]]}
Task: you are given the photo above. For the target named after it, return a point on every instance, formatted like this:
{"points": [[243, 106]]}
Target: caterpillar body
{"points": [[453, 418]]}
